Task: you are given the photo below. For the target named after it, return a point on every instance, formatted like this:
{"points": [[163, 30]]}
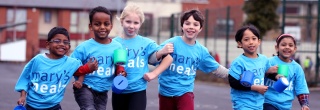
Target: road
{"points": [[208, 96]]}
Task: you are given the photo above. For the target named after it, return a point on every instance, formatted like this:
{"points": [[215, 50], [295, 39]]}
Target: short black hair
{"points": [[251, 27], [58, 30], [99, 9], [197, 15]]}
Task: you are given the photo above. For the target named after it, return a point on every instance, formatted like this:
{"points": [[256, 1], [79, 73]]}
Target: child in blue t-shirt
{"points": [[242, 97], [43, 80], [176, 83], [141, 52], [286, 48], [91, 90]]}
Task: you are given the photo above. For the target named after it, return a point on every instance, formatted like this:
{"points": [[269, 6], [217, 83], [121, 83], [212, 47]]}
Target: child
{"points": [[286, 48], [141, 50], [177, 81], [248, 98], [43, 80], [94, 92]]}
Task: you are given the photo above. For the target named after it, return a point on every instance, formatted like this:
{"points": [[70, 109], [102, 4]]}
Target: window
{"points": [[146, 28], [221, 25], [79, 22], [165, 23], [47, 16], [292, 10], [15, 16]]}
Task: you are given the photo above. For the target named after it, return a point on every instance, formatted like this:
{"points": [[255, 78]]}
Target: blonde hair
{"points": [[132, 9]]}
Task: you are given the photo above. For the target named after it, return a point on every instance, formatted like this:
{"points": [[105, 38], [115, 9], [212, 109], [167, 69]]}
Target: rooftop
{"points": [[65, 4]]}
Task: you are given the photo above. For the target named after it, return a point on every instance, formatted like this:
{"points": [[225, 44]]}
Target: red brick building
{"points": [[42, 15]]}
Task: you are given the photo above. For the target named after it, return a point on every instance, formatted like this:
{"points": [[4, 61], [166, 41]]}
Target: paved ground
{"points": [[208, 96]]}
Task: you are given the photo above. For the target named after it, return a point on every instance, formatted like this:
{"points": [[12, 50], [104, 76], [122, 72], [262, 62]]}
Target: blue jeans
{"points": [[89, 99], [56, 107]]}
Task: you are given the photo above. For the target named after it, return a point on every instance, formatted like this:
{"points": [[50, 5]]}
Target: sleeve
{"points": [[300, 83], [268, 64], [236, 69], [24, 79], [235, 84], [79, 54], [82, 70], [119, 69], [303, 99], [208, 63], [153, 59], [152, 47], [272, 76]]}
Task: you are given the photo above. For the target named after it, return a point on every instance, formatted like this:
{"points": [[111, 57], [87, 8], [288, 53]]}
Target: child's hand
{"points": [[149, 76], [273, 69], [93, 64], [124, 73], [167, 49], [259, 88], [21, 100], [305, 108], [77, 84], [120, 70]]}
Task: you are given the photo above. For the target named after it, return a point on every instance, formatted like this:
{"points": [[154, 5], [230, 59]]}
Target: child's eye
{"points": [[97, 24], [107, 24], [128, 22], [136, 23], [58, 41]]}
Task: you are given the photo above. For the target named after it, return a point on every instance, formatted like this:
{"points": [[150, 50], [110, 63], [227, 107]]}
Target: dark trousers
{"points": [[130, 101], [267, 106], [89, 99]]}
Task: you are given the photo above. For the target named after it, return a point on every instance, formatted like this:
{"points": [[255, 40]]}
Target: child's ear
{"points": [[47, 44], [239, 44], [90, 26]]}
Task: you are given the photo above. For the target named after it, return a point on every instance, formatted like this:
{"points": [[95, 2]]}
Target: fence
{"points": [[221, 25]]}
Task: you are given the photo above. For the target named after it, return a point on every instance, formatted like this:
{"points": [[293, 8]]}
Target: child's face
{"points": [[131, 25], [191, 28], [58, 46], [286, 48], [249, 43], [101, 25]]}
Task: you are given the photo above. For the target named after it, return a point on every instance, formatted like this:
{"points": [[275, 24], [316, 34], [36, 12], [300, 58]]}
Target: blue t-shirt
{"points": [[101, 79], [45, 80], [139, 49], [243, 100], [179, 78], [297, 85]]}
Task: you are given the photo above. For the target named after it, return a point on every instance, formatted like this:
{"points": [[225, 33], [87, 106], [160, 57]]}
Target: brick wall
{"points": [[32, 35]]}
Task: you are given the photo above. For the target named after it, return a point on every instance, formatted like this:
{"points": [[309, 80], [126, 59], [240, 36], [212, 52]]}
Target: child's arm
{"points": [[304, 101], [161, 54], [78, 83], [221, 72], [259, 88], [120, 70], [22, 98], [235, 84], [89, 67], [165, 63]]}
